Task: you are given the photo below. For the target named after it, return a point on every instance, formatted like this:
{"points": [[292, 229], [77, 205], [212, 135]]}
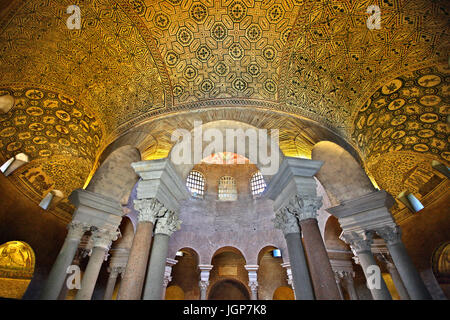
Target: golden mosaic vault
{"points": [[382, 92]]}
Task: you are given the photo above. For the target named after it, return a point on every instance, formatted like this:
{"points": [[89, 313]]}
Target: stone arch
{"points": [[186, 274], [283, 293], [221, 290], [220, 127], [264, 250], [440, 264], [332, 232], [115, 178], [271, 274], [228, 249], [339, 165], [17, 264], [174, 292]]}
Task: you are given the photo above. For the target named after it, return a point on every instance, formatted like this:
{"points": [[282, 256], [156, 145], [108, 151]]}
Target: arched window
{"points": [[257, 184], [196, 184], [227, 189]]}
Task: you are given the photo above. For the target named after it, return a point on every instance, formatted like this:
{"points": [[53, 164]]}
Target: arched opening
{"points": [[185, 274], [271, 274], [283, 293], [228, 264], [331, 235], [229, 289], [195, 182], [227, 190], [440, 263], [17, 262], [174, 293]]}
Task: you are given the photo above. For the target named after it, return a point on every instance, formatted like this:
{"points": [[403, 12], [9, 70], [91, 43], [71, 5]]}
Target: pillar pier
{"points": [[253, 280], [287, 222], [57, 277], [347, 280], [361, 247], [370, 213], [408, 272], [324, 282], [294, 187], [134, 275], [168, 275], [381, 252], [402, 292], [343, 270], [102, 242], [112, 279], [165, 226], [287, 266], [205, 270], [159, 190], [338, 283]]}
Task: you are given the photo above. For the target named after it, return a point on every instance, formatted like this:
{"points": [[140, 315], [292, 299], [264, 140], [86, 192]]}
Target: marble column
{"points": [[408, 272], [324, 283], [360, 244], [111, 284], [84, 250], [287, 266], [338, 283], [57, 276], [102, 239], [253, 280], [165, 226], [286, 221], [168, 275], [347, 280], [398, 283], [204, 279], [134, 276]]}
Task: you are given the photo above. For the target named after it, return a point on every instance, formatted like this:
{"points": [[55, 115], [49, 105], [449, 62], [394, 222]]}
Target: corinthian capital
{"points": [[168, 224], [306, 206], [104, 237], [286, 221], [391, 234], [358, 241], [149, 209], [77, 229]]}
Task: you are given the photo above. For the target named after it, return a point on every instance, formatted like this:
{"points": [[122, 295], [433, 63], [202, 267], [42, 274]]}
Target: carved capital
{"points": [[343, 274], [115, 271], [149, 209], [391, 234], [76, 230], [168, 224], [286, 221], [166, 281], [358, 241], [253, 285], [306, 206], [203, 285], [104, 237]]}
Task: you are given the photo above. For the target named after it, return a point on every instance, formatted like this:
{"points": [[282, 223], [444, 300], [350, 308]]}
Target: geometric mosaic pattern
{"points": [[107, 64], [220, 49], [134, 59], [403, 126], [333, 61], [409, 113]]}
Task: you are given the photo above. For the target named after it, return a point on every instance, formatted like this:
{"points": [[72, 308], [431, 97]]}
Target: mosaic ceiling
{"points": [[133, 61]]}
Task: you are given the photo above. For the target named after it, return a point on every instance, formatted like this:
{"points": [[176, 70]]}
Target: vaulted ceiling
{"points": [[384, 91]]}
